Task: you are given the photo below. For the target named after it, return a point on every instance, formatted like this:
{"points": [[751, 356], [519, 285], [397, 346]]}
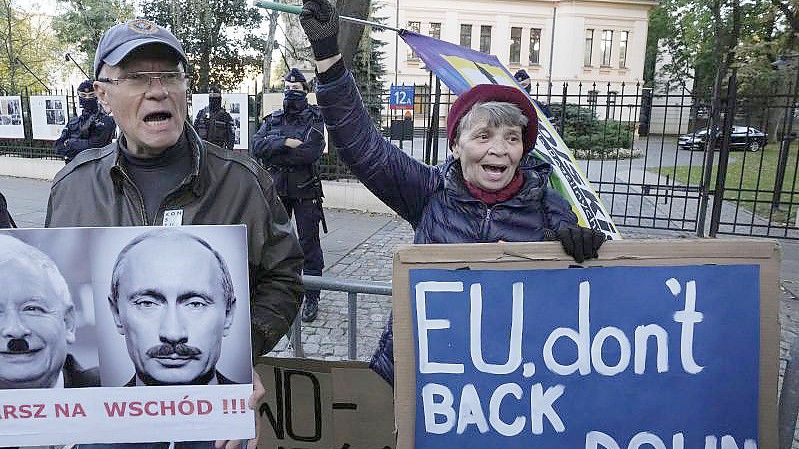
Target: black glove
{"points": [[319, 19], [580, 243]]}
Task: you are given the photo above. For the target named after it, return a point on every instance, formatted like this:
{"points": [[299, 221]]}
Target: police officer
{"points": [[524, 79], [213, 123], [93, 128], [290, 143]]}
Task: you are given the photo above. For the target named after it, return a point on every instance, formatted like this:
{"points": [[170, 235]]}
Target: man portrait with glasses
{"points": [[159, 172], [93, 128]]}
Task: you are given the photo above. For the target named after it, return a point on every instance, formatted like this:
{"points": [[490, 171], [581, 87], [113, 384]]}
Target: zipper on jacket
{"points": [[487, 221], [138, 194]]}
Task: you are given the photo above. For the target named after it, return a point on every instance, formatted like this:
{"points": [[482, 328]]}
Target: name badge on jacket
{"points": [[173, 217]]}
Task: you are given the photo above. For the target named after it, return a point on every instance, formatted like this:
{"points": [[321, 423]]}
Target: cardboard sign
{"points": [[124, 335], [667, 344], [320, 404]]}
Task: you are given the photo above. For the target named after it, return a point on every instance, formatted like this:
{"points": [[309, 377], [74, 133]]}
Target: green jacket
{"points": [[223, 188]]}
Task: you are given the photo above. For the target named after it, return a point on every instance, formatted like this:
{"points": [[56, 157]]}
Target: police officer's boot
{"points": [[310, 308]]}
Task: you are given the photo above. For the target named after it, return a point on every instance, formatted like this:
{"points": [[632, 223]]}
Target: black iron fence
{"points": [[646, 151]]}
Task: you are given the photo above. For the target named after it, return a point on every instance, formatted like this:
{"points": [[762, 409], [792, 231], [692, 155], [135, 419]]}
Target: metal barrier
{"points": [[353, 289]]}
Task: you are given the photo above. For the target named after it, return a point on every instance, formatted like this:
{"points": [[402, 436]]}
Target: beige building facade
{"points": [[588, 41]]}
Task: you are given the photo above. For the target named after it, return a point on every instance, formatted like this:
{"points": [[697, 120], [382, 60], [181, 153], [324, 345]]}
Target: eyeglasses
{"points": [[141, 81]]}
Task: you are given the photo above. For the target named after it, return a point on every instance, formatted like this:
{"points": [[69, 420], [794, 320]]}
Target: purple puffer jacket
{"points": [[433, 199]]}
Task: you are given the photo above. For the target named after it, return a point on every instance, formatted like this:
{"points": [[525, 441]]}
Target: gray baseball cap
{"points": [[121, 39]]}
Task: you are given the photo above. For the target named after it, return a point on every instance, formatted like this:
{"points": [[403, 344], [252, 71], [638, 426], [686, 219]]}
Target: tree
{"points": [[698, 36], [217, 36], [84, 22], [368, 68], [659, 28], [27, 39], [268, 48], [788, 12]]}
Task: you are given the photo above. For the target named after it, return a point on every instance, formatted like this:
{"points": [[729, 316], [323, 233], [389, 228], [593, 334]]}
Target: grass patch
{"points": [[749, 181]]}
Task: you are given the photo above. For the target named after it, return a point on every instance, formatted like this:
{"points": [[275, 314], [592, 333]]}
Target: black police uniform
{"points": [[214, 124], [93, 128], [295, 174]]}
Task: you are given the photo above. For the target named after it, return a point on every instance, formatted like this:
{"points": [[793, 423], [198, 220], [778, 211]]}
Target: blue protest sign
{"points": [[600, 358], [401, 97]]}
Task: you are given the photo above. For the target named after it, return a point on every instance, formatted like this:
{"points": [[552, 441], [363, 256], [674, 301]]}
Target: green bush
{"points": [[583, 131]]}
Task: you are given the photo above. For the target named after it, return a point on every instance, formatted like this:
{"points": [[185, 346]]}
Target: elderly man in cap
{"points": [[159, 172], [290, 143], [93, 128]]}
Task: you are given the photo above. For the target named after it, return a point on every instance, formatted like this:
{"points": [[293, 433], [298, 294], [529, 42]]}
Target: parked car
{"points": [[742, 138]]}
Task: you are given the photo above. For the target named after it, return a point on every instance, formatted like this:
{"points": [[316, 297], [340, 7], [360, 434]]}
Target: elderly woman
{"points": [[482, 194]]}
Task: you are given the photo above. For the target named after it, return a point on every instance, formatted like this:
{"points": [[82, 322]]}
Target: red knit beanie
{"points": [[494, 92]]}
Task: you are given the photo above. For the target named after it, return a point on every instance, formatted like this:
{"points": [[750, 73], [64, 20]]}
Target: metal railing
{"points": [[353, 289], [625, 140]]}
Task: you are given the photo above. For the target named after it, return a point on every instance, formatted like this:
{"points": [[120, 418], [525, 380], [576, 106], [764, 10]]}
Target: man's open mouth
{"points": [[157, 117]]}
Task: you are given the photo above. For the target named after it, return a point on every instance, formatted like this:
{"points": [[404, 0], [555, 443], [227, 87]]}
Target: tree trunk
{"points": [[9, 47], [725, 43], [273, 17], [350, 34], [208, 46]]}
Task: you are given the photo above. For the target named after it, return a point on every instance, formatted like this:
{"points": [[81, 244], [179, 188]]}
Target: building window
{"points": [[466, 36], [515, 45], [535, 45], [589, 45], [435, 30], [415, 27], [485, 38], [623, 38], [607, 45]]}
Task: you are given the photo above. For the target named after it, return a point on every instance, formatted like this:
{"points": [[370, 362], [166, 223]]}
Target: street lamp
{"points": [[787, 129]]}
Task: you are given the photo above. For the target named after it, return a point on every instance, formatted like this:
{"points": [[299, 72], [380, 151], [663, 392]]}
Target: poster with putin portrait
{"points": [[121, 335]]}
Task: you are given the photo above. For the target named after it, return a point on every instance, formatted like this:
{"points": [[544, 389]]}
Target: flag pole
{"points": [[293, 9]]}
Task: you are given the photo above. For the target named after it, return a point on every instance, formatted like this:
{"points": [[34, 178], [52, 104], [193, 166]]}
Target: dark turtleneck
{"points": [[156, 176]]}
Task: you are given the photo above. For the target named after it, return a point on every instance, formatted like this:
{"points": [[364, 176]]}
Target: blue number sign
{"points": [[401, 97], [599, 358]]}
